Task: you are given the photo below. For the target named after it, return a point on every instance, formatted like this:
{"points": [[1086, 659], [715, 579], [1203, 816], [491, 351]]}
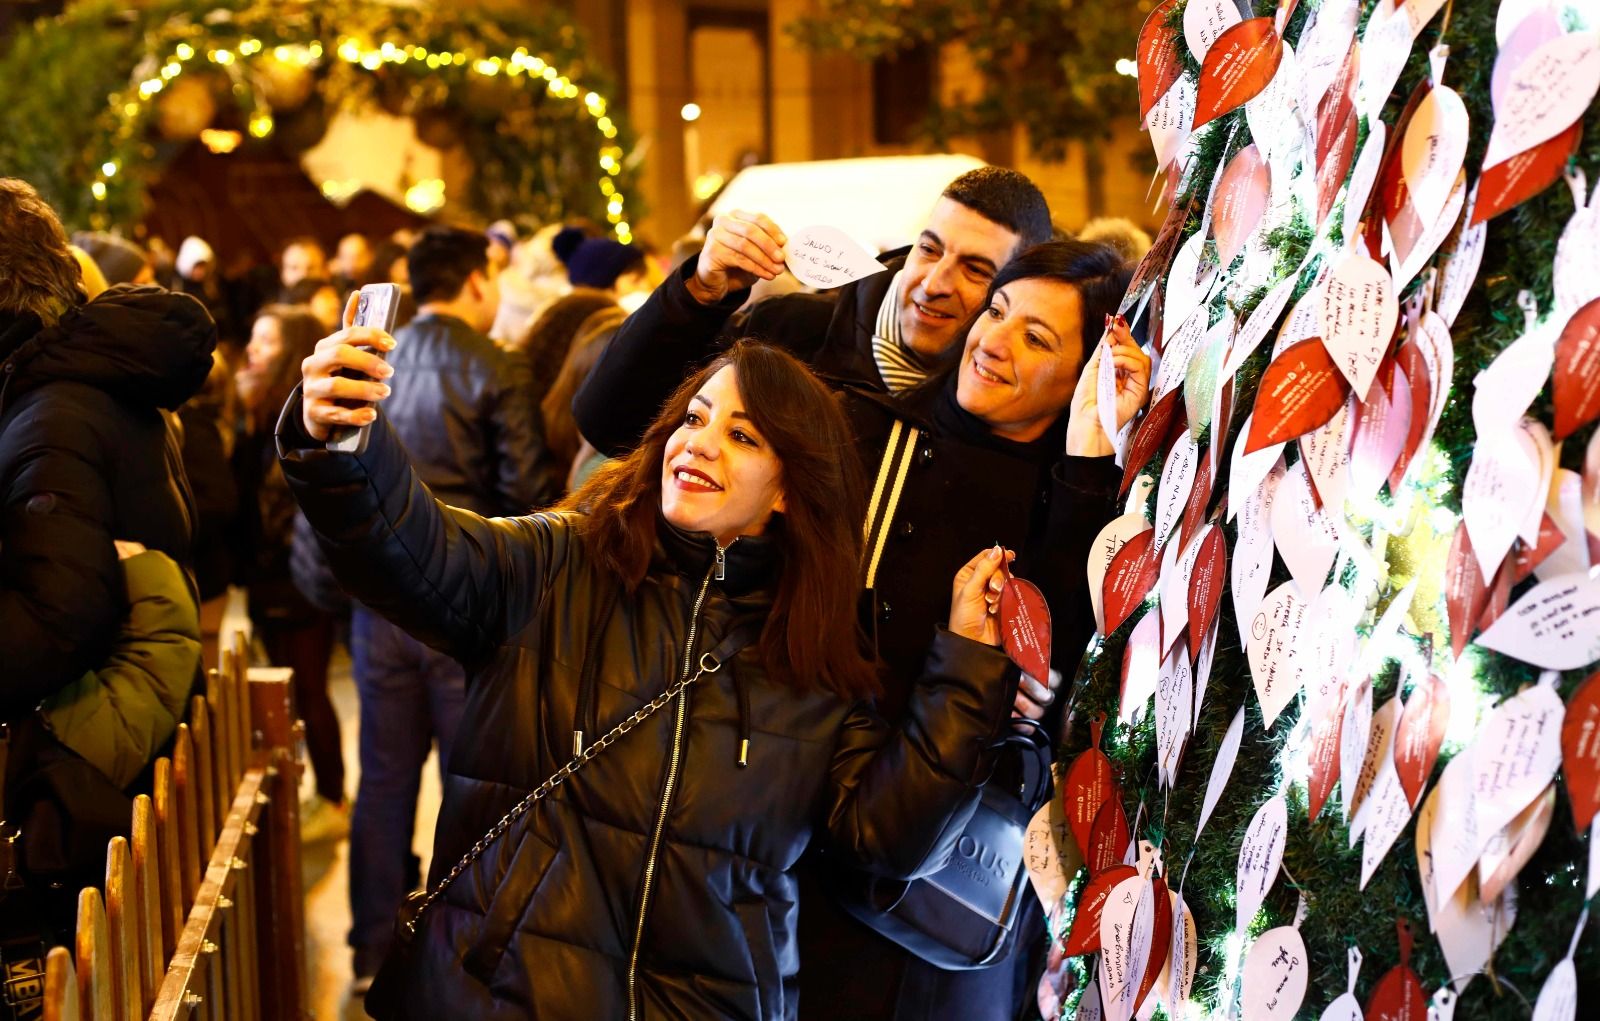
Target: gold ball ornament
{"points": [[284, 84], [185, 109]]}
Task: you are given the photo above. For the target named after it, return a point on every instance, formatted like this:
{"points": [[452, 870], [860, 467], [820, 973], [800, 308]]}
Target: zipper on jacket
{"points": [[718, 569]]}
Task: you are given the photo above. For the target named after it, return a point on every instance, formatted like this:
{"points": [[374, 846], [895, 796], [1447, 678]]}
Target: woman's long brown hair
{"points": [[811, 639], [298, 332]]}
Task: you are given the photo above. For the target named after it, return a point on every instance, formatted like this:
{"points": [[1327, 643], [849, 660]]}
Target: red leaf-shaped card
{"points": [[1194, 511], [1512, 182], [1158, 56], [1239, 65], [1205, 584], [1525, 559], [1150, 436], [1301, 390], [1577, 388], [1465, 592], [1130, 578], [1109, 838], [1420, 734], [1325, 754], [1086, 787], [1160, 941], [1411, 363], [1399, 995], [1025, 627], [1084, 937], [1240, 202], [1580, 751]]}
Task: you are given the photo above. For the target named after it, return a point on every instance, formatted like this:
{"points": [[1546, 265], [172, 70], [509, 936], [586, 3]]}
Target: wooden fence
{"points": [[202, 913]]}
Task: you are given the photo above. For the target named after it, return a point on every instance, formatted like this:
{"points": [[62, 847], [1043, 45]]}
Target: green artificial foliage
{"points": [[73, 99], [1324, 868], [1064, 50]]}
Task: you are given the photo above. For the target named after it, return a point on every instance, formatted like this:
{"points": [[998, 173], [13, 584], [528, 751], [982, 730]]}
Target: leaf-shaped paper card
{"points": [[1148, 438], [1546, 94], [1301, 390], [1107, 545], [1421, 734], [1158, 56], [1432, 152], [1552, 625], [1240, 201], [1025, 626], [1085, 935], [1276, 971], [1275, 664], [1347, 1007], [1577, 371], [1204, 21], [1205, 583], [1260, 855], [1580, 751], [1126, 926], [824, 257], [1399, 995], [1509, 850], [1237, 67], [1132, 574], [1087, 785], [1108, 838], [1518, 178], [1358, 314]]}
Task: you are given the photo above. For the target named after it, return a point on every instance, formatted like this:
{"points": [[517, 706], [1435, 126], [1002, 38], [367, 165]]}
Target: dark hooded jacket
{"points": [[662, 868], [89, 453]]}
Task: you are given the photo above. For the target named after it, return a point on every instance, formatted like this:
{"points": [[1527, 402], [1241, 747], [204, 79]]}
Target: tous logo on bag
{"points": [[980, 863]]}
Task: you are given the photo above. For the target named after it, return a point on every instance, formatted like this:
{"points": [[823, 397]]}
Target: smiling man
{"points": [[881, 332]]}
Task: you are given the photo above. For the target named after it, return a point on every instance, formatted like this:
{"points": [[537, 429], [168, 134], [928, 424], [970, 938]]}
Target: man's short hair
{"points": [[1007, 198], [441, 260], [38, 273]]}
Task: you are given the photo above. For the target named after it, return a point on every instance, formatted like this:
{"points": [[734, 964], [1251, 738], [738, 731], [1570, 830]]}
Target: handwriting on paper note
{"points": [[1556, 625], [825, 257]]}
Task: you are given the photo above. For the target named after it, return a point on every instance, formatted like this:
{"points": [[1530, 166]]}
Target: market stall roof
{"points": [[882, 202]]}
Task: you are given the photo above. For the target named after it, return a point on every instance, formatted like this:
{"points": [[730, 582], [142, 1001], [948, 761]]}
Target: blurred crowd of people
{"points": [[142, 476]]}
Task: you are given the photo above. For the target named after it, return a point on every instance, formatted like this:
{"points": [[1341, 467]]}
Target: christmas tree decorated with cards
{"points": [[1335, 750]]}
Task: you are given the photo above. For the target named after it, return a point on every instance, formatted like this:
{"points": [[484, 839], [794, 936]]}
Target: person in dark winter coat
{"points": [[657, 881], [463, 408], [1000, 442], [886, 331], [88, 451], [295, 632]]}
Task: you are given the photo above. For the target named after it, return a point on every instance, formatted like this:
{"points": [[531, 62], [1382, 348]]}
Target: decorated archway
{"points": [[103, 96]]}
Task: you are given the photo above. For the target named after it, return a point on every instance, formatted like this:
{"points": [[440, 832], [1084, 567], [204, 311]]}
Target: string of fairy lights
{"points": [[130, 109]]}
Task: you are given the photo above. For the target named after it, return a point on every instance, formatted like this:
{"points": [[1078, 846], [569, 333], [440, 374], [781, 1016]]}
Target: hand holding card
{"points": [[1087, 421]]}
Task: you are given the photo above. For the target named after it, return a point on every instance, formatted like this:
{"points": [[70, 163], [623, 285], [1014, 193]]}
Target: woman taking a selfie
{"points": [[701, 593]]}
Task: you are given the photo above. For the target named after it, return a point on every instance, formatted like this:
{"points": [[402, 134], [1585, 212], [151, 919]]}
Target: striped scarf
{"points": [[899, 366]]}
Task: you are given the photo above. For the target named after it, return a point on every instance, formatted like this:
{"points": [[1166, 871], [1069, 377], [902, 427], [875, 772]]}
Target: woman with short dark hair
{"points": [[709, 575]]}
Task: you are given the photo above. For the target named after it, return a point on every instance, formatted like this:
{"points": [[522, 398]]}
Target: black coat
{"points": [[465, 411], [964, 488], [548, 924], [87, 456]]}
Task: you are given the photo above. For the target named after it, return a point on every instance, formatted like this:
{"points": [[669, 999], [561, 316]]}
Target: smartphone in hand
{"points": [[376, 305]]}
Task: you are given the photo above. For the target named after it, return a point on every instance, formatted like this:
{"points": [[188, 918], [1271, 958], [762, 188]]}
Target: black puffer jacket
{"points": [[663, 868], [88, 454], [466, 412]]}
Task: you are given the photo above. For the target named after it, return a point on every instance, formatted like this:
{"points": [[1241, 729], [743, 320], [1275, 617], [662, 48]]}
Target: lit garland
{"points": [[234, 47]]}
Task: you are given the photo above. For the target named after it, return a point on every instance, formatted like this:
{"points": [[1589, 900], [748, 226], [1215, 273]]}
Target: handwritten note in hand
{"points": [[824, 257]]}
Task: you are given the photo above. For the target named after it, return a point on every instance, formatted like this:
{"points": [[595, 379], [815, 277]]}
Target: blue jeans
{"points": [[410, 696]]}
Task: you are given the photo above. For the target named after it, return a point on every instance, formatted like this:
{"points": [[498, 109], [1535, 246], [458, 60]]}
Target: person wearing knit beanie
{"points": [[120, 260], [599, 262]]}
